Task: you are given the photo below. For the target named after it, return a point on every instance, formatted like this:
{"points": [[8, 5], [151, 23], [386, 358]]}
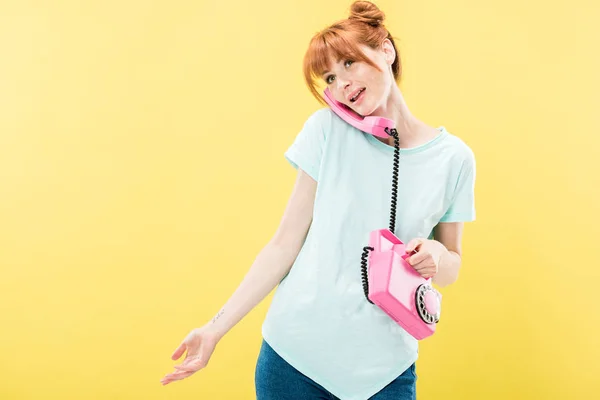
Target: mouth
{"points": [[357, 95]]}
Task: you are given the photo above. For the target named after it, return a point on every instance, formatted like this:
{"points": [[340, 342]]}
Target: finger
{"points": [[413, 244], [179, 375], [420, 266], [191, 359], [192, 366], [417, 258], [179, 351], [175, 376], [166, 380], [424, 269], [427, 274], [182, 375]]}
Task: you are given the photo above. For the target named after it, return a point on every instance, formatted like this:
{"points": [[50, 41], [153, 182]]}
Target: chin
{"points": [[360, 113], [365, 111], [374, 110], [367, 108]]}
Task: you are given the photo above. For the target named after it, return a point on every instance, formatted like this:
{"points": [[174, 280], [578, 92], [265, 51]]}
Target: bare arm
{"points": [[274, 261], [439, 258], [450, 235]]}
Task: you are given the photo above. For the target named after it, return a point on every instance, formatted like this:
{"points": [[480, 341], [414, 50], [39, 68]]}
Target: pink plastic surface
{"points": [[393, 284], [369, 124], [432, 303]]}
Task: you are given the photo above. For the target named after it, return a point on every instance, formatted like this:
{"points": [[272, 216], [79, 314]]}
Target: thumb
{"points": [[413, 244], [178, 352]]}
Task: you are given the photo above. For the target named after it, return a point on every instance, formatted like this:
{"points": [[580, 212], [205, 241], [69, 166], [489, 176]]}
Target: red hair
{"points": [[342, 39]]}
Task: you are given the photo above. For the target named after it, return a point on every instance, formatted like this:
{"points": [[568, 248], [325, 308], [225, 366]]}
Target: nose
{"points": [[342, 83]]}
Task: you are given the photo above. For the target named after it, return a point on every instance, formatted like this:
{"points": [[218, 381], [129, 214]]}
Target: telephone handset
{"points": [[369, 124], [389, 282]]}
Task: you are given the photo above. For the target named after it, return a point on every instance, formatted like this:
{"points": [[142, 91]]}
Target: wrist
{"points": [[215, 330], [216, 325], [443, 252]]}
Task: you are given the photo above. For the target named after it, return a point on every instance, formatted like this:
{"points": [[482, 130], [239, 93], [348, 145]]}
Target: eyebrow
{"points": [[337, 61]]}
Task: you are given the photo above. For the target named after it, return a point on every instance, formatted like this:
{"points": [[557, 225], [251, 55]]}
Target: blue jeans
{"points": [[275, 379]]}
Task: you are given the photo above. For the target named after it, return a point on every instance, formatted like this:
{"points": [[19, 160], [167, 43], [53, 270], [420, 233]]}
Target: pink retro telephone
{"points": [[390, 282]]}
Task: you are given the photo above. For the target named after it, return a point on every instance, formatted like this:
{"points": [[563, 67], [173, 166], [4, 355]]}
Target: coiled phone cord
{"points": [[363, 259]]}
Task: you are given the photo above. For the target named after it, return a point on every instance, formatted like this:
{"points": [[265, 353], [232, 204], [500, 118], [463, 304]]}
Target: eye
{"points": [[348, 62], [329, 79]]}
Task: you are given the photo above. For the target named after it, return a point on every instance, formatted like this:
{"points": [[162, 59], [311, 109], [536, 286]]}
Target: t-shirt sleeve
{"points": [[462, 207], [307, 149]]}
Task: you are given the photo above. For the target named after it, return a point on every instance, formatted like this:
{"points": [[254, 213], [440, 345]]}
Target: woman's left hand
{"points": [[426, 259]]}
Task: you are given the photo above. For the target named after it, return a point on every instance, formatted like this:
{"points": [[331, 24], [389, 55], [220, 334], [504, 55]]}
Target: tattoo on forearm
{"points": [[218, 315]]}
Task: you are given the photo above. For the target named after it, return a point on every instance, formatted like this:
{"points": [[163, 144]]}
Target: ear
{"points": [[388, 50]]}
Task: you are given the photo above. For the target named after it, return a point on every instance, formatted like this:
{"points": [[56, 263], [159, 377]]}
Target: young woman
{"points": [[322, 338]]}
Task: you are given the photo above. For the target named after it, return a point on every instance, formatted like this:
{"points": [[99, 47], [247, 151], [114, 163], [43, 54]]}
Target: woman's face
{"points": [[360, 86]]}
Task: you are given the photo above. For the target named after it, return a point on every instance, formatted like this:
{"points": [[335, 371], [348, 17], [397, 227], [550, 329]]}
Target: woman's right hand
{"points": [[200, 343]]}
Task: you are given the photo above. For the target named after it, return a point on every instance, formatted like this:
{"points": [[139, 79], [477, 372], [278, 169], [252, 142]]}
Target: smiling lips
{"points": [[356, 94]]}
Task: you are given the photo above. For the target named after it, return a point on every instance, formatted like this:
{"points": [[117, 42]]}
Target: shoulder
{"points": [[326, 120], [460, 151], [323, 113]]}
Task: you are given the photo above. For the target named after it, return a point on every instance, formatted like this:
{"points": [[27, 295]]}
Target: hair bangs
{"points": [[330, 46]]}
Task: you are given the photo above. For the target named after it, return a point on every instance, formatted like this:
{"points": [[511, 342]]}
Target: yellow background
{"points": [[142, 170]]}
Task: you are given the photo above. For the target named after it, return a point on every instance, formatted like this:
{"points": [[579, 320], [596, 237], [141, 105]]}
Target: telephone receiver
{"points": [[388, 280], [370, 124]]}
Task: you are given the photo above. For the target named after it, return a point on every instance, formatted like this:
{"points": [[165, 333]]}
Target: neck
{"points": [[410, 129]]}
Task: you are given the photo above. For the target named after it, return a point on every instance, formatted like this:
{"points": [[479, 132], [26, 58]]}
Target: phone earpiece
{"points": [[388, 280], [370, 124]]}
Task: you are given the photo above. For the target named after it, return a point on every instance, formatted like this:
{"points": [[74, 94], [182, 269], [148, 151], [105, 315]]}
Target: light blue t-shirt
{"points": [[319, 320]]}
